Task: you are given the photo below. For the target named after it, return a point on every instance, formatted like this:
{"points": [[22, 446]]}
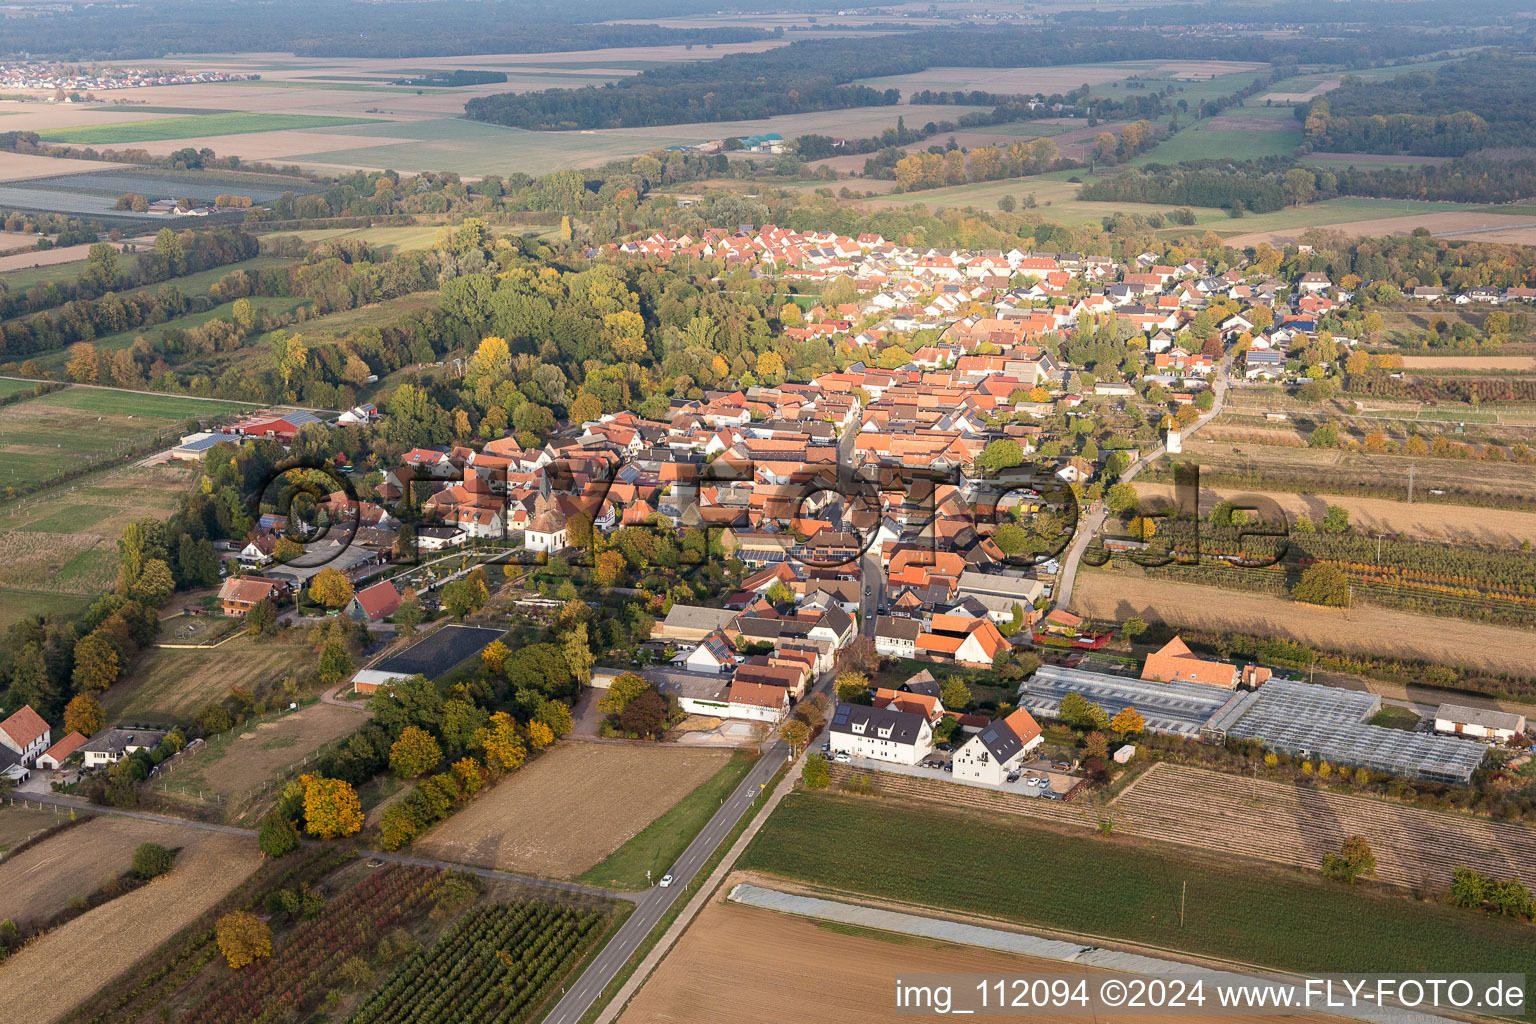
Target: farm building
{"points": [[1326, 723], [56, 755], [1175, 709], [1478, 722]]}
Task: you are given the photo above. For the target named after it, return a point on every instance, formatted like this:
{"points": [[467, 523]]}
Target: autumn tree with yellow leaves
{"points": [[331, 807]]}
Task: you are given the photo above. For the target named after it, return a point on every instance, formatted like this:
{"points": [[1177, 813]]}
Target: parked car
{"points": [[946, 747], [842, 757], [1013, 776], [949, 766]]}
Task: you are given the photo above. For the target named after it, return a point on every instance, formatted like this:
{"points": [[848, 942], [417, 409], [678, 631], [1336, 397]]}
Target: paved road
{"points": [[872, 579], [654, 904], [1090, 527]]}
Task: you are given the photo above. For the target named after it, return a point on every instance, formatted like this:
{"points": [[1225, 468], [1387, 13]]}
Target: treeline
{"points": [[334, 28], [1449, 111], [1272, 183], [819, 74]]}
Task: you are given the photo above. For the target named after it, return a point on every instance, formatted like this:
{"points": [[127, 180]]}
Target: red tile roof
{"points": [[24, 727]]}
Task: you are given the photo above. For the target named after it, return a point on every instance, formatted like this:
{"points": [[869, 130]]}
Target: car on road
{"points": [[666, 880]]}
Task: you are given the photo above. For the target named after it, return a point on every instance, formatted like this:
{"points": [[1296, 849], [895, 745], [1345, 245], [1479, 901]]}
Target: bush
{"points": [[277, 837], [816, 774], [151, 860]]}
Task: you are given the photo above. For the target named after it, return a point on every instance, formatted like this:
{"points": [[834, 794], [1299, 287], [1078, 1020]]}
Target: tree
{"points": [[243, 938], [955, 695], [1010, 538], [540, 735], [277, 837], [96, 663], [335, 662], [151, 860], [646, 715], [1322, 584], [1127, 722], [494, 657], [1096, 744], [1353, 860], [463, 598], [83, 714], [1142, 528], [625, 688], [1299, 186], [504, 751], [1325, 436], [609, 567], [409, 615], [1133, 627], [779, 593], [816, 774], [1121, 498], [415, 753], [852, 687], [1004, 453], [261, 620], [1081, 713], [797, 734], [331, 807], [1336, 519], [155, 584], [330, 588]]}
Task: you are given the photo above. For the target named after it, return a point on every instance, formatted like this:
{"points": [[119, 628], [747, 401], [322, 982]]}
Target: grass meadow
{"points": [[1232, 909]]}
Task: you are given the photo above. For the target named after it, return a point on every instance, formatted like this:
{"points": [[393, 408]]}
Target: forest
{"points": [[345, 28], [1474, 104], [1272, 183], [818, 74]]}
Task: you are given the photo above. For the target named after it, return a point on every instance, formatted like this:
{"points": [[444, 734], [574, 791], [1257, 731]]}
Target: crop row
{"points": [[303, 967], [493, 967]]}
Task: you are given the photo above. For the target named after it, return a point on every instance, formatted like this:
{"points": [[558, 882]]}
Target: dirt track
{"points": [[1461, 524], [1380, 631]]}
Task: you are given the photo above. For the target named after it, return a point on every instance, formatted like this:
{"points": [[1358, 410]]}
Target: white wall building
{"points": [[882, 734]]}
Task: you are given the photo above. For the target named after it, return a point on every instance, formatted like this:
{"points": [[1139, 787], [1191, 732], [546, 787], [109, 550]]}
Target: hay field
{"points": [[571, 807], [1374, 630], [1325, 84], [1459, 524], [234, 763], [41, 881], [1469, 362], [168, 685], [853, 970], [100, 945]]}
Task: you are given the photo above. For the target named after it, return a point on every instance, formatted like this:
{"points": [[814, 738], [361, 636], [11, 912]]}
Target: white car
{"points": [[666, 880]]}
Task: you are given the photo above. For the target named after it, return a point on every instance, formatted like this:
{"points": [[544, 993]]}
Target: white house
{"points": [[1480, 723], [759, 702], [113, 745], [998, 749], [896, 637], [25, 735], [713, 656], [882, 734]]}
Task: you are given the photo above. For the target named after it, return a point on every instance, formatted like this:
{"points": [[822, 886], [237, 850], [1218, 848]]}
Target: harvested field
{"points": [[48, 257], [1436, 522], [571, 807], [195, 126], [1327, 84], [1367, 628], [1295, 825], [39, 882], [103, 943], [853, 968], [1469, 362], [1441, 225], [234, 763], [15, 166]]}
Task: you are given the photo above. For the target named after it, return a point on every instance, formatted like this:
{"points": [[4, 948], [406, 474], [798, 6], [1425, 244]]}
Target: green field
{"points": [[661, 842], [41, 437], [402, 239], [192, 128], [1008, 868], [16, 605]]}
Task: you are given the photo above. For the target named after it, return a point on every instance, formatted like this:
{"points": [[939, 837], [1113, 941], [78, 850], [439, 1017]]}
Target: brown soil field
{"points": [[1469, 362], [1374, 630], [16, 166], [1447, 225], [1331, 82], [1451, 523], [853, 972], [1515, 235], [1295, 825], [571, 807], [39, 881], [103, 943]]}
